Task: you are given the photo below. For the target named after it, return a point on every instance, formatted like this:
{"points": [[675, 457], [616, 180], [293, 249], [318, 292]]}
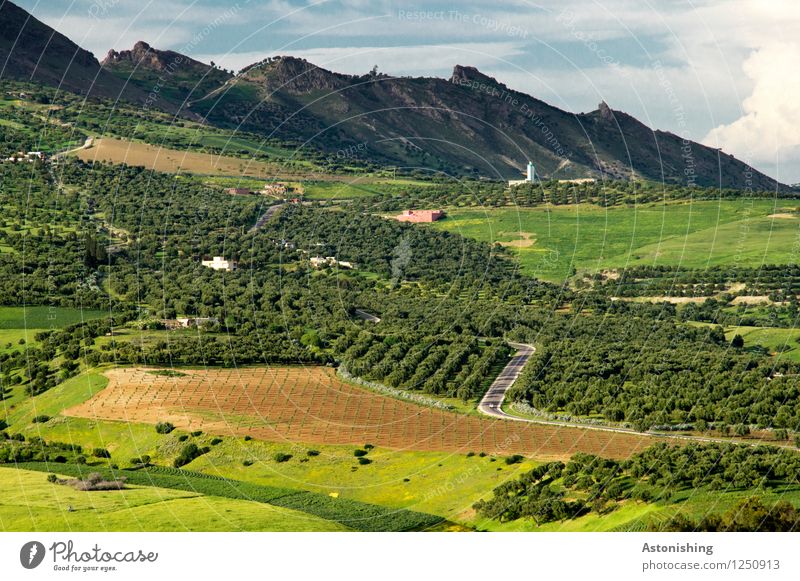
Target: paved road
{"points": [[491, 405], [266, 216], [492, 402]]}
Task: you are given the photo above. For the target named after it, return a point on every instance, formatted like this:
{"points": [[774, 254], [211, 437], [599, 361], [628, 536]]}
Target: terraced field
{"points": [[296, 404]]}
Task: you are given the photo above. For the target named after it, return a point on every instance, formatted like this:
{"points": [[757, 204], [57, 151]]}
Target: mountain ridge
{"points": [[469, 124]]}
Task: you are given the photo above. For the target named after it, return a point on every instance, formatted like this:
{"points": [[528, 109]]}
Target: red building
{"points": [[420, 216]]}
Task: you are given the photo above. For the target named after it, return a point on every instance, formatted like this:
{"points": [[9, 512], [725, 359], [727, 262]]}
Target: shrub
{"points": [[80, 460], [41, 419], [313, 452], [188, 453], [143, 460], [101, 453], [359, 453], [164, 427], [247, 463], [60, 459], [52, 478], [183, 437], [368, 447], [364, 461], [216, 441], [470, 454], [248, 438], [482, 455], [197, 433], [514, 459], [282, 457]]}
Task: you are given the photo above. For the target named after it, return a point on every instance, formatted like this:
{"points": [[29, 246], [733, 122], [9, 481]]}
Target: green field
{"points": [[433, 482], [781, 342], [29, 503], [45, 317], [558, 239]]}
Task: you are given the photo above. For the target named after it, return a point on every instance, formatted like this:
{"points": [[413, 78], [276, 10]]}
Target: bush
{"points": [[470, 454], [364, 461], [514, 459], [313, 452], [164, 427], [216, 441], [101, 453], [183, 437], [368, 447], [359, 453], [80, 460], [247, 463], [197, 433], [52, 478], [188, 453], [144, 460], [282, 457], [248, 438], [41, 419]]}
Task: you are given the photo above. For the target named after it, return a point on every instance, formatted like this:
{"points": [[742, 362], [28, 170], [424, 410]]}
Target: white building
{"points": [[317, 261], [219, 263], [530, 176]]}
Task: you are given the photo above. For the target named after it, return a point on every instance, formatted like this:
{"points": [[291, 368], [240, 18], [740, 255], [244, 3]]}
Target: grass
{"points": [[353, 514], [432, 482], [29, 503], [45, 317], [337, 190], [783, 343], [590, 238]]}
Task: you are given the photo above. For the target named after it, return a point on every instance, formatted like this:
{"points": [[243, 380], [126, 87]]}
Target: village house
{"points": [[238, 191], [220, 263], [318, 261], [276, 189], [31, 156], [186, 322], [420, 216]]}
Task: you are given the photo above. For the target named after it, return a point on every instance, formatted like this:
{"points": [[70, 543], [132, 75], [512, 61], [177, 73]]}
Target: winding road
{"points": [[492, 405], [492, 402]]}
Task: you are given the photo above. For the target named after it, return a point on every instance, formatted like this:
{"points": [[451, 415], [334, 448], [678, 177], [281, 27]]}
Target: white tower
{"points": [[531, 172]]}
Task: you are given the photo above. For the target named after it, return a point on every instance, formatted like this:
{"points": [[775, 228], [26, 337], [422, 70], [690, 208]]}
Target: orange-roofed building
{"points": [[420, 216]]}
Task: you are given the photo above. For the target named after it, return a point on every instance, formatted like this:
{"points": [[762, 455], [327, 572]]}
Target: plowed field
{"points": [[297, 404]]}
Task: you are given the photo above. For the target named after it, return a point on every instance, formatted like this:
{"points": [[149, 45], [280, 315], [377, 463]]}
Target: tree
{"points": [[737, 342]]}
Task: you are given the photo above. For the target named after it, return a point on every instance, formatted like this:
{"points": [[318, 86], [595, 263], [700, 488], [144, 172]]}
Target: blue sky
{"points": [[719, 71]]}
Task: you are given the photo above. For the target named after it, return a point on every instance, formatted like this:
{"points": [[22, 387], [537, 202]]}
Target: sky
{"points": [[722, 72]]}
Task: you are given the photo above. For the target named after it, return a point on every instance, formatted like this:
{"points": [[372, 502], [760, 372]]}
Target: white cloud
{"points": [[768, 130]]}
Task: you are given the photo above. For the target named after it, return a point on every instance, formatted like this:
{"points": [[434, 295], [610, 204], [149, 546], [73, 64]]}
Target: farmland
{"points": [[175, 161], [551, 241], [312, 405], [29, 503]]}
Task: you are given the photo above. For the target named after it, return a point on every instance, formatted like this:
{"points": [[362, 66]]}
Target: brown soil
{"points": [[312, 405]]}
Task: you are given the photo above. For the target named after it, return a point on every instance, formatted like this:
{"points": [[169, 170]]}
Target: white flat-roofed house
{"points": [[220, 263]]}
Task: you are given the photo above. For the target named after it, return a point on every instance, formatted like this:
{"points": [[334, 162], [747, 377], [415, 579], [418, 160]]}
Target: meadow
{"points": [[553, 242], [29, 503], [45, 317]]}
